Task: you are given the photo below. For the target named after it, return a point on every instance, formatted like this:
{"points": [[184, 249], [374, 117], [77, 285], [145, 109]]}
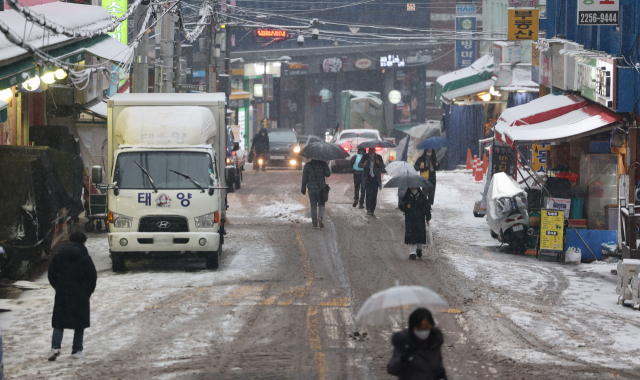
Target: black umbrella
{"points": [[406, 181], [324, 151], [377, 144]]}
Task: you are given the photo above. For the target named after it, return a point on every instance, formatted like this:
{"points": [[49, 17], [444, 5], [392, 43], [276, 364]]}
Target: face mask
{"points": [[414, 192], [422, 334], [429, 153]]}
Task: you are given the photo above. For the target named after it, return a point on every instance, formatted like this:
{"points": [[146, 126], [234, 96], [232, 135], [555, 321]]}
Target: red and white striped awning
{"points": [[553, 118]]}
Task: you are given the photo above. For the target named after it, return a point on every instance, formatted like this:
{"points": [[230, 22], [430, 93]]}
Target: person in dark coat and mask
{"points": [[373, 166], [417, 351], [358, 185], [260, 149], [73, 276], [417, 210], [426, 165], [313, 178]]}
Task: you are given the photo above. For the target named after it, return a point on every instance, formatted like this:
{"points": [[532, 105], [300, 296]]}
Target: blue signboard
{"points": [[465, 48], [465, 10]]}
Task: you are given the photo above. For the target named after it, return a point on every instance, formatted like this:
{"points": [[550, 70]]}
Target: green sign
{"points": [[117, 8], [587, 74]]}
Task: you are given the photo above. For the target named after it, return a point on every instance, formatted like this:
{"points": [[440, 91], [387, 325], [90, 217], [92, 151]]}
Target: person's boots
{"points": [[361, 205], [412, 256], [419, 253], [355, 203]]}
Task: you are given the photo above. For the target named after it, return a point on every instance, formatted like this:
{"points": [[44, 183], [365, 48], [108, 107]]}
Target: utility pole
{"points": [[209, 53], [140, 69], [167, 34]]}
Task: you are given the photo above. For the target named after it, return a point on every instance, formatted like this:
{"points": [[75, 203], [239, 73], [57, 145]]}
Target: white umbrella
{"points": [[378, 308], [397, 168]]}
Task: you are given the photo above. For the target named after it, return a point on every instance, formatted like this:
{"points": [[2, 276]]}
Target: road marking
{"points": [[306, 265], [321, 365], [312, 326]]}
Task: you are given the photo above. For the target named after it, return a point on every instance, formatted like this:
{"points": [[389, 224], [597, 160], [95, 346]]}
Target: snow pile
{"points": [[294, 213]]}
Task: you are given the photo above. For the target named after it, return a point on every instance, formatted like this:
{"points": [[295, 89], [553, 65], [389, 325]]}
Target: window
{"points": [[282, 136], [159, 165], [361, 135]]}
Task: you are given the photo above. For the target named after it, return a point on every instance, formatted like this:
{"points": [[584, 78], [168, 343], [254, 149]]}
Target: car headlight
{"points": [[207, 221], [296, 149], [121, 221]]}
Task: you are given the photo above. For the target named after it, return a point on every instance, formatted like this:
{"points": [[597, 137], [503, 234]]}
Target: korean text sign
{"points": [[552, 230], [598, 12], [117, 8], [465, 49], [523, 24]]}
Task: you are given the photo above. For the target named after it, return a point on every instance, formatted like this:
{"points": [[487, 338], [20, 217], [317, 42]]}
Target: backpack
{"points": [[355, 165]]}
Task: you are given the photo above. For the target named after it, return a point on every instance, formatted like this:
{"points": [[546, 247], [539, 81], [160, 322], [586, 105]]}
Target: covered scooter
{"points": [[507, 211]]}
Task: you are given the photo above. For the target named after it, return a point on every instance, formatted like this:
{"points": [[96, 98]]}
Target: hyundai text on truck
{"points": [[166, 180]]}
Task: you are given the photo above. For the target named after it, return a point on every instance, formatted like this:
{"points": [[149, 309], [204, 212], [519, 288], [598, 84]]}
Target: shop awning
{"points": [[515, 78], [96, 107], [471, 89], [238, 94], [16, 73], [104, 47], [554, 118], [481, 70]]}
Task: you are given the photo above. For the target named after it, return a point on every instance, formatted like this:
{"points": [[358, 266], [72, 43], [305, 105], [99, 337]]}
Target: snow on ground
{"points": [[570, 310], [292, 212]]}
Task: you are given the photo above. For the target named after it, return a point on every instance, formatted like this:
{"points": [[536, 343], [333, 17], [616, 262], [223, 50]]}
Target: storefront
{"points": [[582, 174]]}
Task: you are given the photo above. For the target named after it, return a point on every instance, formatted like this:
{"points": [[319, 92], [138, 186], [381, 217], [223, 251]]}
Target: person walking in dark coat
{"points": [[260, 149], [417, 351], [73, 276], [373, 166], [358, 185], [313, 177], [426, 165], [417, 210]]}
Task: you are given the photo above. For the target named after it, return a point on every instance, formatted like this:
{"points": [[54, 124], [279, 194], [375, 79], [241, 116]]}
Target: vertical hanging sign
{"points": [[117, 8], [523, 24], [465, 48]]}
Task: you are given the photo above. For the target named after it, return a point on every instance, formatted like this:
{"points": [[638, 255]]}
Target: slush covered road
{"points": [[283, 302]]}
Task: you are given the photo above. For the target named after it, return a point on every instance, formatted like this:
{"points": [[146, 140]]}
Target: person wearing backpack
{"points": [[358, 184], [313, 178]]}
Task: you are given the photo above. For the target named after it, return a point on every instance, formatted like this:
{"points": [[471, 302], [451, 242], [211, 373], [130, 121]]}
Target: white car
{"points": [[349, 139]]}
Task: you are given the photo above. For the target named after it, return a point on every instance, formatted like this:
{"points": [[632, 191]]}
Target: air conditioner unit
{"points": [[635, 291], [626, 270]]}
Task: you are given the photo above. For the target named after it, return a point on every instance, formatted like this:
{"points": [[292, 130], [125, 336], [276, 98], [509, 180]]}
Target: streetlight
{"points": [[265, 105]]}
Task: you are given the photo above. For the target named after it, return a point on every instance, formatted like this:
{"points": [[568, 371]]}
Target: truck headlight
{"points": [[121, 221], [296, 149], [207, 221]]}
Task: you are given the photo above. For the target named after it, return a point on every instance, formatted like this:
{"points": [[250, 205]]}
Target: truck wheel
{"points": [[89, 226], [211, 261], [117, 262]]}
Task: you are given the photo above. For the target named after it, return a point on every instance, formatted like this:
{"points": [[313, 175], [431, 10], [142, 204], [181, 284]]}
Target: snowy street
{"points": [[283, 302]]}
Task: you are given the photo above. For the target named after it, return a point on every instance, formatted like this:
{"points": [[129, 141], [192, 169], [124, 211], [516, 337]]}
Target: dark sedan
{"points": [[284, 149]]}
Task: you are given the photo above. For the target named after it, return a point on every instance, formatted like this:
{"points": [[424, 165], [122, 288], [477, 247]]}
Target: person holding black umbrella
{"points": [[417, 210], [358, 185], [373, 166], [426, 165]]}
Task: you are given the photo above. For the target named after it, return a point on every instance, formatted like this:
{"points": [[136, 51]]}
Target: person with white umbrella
{"points": [[417, 350]]}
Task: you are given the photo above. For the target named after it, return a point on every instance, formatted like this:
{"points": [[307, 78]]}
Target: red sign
{"points": [[362, 63], [316, 100], [271, 33]]}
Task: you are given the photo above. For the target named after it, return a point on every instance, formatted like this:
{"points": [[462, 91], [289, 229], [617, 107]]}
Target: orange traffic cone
{"points": [[478, 175], [469, 163], [473, 165], [485, 164]]}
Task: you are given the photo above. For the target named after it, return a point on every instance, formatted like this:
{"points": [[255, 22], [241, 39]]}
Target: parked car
{"points": [[305, 140], [284, 148], [349, 140], [234, 162]]}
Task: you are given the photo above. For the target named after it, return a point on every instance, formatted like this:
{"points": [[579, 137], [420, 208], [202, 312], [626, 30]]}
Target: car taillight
{"points": [[346, 147], [378, 149], [233, 153], [510, 220]]}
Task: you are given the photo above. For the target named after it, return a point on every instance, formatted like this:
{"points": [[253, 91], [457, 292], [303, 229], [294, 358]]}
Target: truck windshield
{"points": [[285, 137], [128, 175]]}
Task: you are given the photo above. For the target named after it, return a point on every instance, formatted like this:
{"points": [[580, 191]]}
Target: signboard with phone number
{"points": [[598, 12]]}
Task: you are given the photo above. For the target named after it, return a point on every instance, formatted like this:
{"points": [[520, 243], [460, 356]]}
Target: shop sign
{"points": [[535, 63], [540, 154], [274, 33], [237, 72], [551, 230], [117, 8], [362, 63], [334, 65], [504, 52], [241, 126], [411, 7], [465, 48], [391, 60], [394, 97], [295, 68], [316, 100], [523, 24], [547, 70], [465, 10], [502, 161], [598, 12], [557, 66], [570, 67], [418, 58], [606, 82], [523, 4], [586, 79]]}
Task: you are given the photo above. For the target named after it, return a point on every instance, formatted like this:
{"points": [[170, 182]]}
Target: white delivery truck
{"points": [[166, 179]]}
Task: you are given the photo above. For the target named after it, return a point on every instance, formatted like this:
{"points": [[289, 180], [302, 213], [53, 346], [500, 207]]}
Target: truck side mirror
{"points": [[211, 190], [236, 146], [96, 174]]}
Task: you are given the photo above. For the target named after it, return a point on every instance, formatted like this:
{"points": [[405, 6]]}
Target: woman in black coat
{"points": [[417, 211], [417, 351], [73, 276], [428, 162]]}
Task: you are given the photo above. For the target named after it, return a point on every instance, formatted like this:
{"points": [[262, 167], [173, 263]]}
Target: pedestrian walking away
{"points": [[313, 178], [73, 276], [373, 166], [358, 184], [417, 351], [427, 164], [417, 211], [260, 149]]}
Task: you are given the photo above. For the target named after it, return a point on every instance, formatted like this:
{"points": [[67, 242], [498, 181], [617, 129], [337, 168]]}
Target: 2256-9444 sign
{"points": [[598, 12]]}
